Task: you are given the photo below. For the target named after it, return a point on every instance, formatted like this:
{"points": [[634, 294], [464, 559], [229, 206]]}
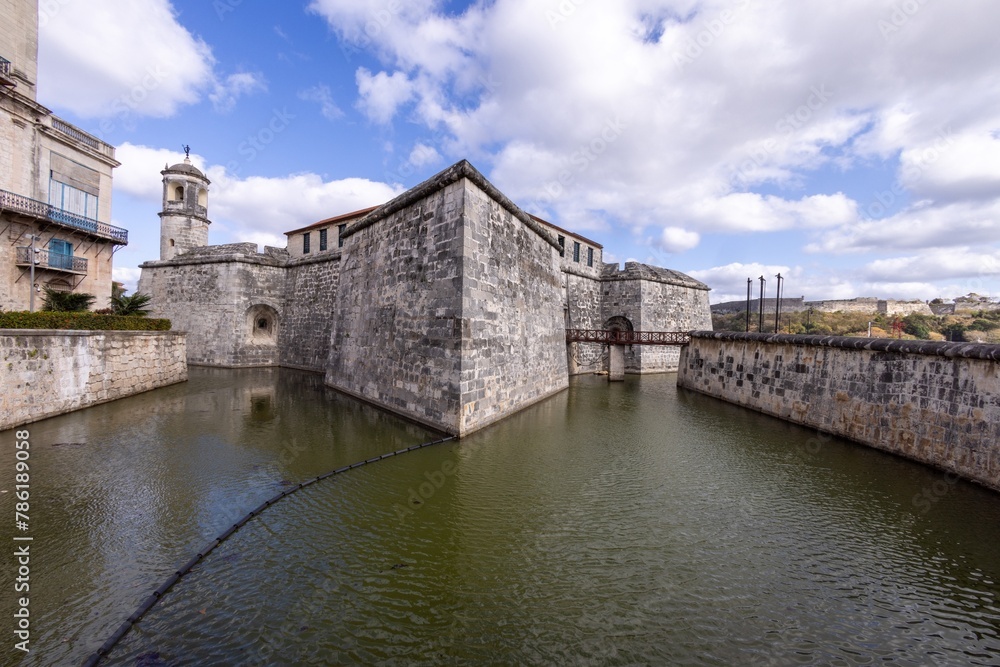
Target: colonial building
{"points": [[55, 183], [448, 304]]}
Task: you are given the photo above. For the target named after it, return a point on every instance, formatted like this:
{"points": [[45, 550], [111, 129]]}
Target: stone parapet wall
{"points": [[46, 372], [938, 403]]}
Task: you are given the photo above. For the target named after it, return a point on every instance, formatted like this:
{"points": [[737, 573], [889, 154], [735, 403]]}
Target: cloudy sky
{"points": [[853, 146]]}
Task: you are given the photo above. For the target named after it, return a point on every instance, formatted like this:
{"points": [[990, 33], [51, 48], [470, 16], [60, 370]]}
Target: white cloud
{"points": [[714, 99], [382, 94], [227, 92], [106, 58], [920, 226], [676, 240], [321, 94], [255, 208], [941, 264], [128, 276], [423, 155]]}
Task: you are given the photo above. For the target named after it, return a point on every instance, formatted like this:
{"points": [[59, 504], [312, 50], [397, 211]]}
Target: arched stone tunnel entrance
{"points": [[616, 353]]}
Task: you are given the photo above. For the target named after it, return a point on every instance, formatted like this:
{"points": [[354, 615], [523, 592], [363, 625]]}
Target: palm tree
{"points": [[134, 305], [66, 302]]}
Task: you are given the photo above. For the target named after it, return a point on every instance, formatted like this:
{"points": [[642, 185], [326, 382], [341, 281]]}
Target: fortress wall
{"points": [[47, 373], [396, 333], [938, 403], [209, 296], [513, 326], [583, 301], [667, 307], [904, 308], [859, 305], [623, 298], [307, 322]]}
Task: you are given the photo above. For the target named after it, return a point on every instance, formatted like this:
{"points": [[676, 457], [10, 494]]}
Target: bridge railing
{"points": [[615, 337]]}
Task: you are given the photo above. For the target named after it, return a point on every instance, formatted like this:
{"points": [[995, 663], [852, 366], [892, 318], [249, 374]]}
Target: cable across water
{"points": [[185, 569]]}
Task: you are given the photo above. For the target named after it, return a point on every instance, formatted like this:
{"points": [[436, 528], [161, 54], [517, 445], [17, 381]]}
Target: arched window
{"points": [[179, 193], [202, 197], [262, 325]]}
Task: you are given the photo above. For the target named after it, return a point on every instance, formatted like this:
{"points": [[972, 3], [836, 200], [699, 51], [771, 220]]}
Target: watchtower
{"points": [[184, 219]]}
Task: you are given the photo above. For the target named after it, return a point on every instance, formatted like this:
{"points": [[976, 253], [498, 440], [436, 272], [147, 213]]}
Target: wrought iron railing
{"points": [[4, 67], [73, 132], [616, 337], [12, 202], [51, 260]]}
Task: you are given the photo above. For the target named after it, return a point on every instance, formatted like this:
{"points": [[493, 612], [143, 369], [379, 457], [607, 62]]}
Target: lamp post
{"points": [[32, 259]]}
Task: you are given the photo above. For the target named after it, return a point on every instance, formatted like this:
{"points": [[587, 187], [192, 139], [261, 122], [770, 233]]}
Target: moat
{"points": [[629, 523]]}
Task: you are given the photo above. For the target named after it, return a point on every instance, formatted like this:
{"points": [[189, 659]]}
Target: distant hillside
{"points": [[981, 326]]}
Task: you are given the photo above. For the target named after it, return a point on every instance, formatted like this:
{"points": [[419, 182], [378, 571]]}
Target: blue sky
{"points": [[852, 146]]}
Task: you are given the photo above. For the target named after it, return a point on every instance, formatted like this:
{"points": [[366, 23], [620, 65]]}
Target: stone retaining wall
{"points": [[938, 403], [46, 373]]}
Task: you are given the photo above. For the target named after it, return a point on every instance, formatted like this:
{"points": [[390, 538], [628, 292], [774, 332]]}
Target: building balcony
{"points": [[52, 261], [5, 78], [81, 137], [50, 214]]}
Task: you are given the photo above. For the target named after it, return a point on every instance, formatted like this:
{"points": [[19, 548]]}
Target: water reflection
{"points": [[612, 524]]}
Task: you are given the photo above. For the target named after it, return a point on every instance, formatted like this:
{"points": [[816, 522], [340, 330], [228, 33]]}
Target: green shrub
{"points": [[80, 321]]}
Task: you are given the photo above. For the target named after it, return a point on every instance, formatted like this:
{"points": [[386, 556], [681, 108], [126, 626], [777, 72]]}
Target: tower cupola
{"points": [[184, 218]]}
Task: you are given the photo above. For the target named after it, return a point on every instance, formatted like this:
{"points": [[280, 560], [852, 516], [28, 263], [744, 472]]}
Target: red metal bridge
{"points": [[621, 337]]}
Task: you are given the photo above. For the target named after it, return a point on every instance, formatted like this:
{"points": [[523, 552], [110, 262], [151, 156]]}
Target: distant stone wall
{"points": [[653, 299], [938, 403], [583, 311], [46, 372], [307, 319], [904, 308], [218, 294]]}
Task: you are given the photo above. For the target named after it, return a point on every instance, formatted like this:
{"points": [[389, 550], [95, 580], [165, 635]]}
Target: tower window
{"points": [[576, 251], [562, 246], [340, 235], [179, 193], [202, 197], [322, 239], [305, 243]]}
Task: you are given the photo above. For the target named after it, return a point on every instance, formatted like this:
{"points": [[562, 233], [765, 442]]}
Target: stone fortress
{"points": [[862, 304], [448, 304]]}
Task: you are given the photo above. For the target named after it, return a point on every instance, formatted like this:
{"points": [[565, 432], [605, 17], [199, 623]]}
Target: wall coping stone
{"points": [[86, 332], [185, 260], [453, 174], [925, 347], [655, 274]]}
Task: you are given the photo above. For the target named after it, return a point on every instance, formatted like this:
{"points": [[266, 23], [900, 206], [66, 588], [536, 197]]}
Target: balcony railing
{"points": [[75, 133], [4, 67], [36, 209], [52, 260]]}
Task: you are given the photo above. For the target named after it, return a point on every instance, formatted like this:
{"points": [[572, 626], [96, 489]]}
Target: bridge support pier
{"points": [[616, 363]]}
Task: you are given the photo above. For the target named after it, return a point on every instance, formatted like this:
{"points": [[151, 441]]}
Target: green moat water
{"points": [[613, 524]]}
